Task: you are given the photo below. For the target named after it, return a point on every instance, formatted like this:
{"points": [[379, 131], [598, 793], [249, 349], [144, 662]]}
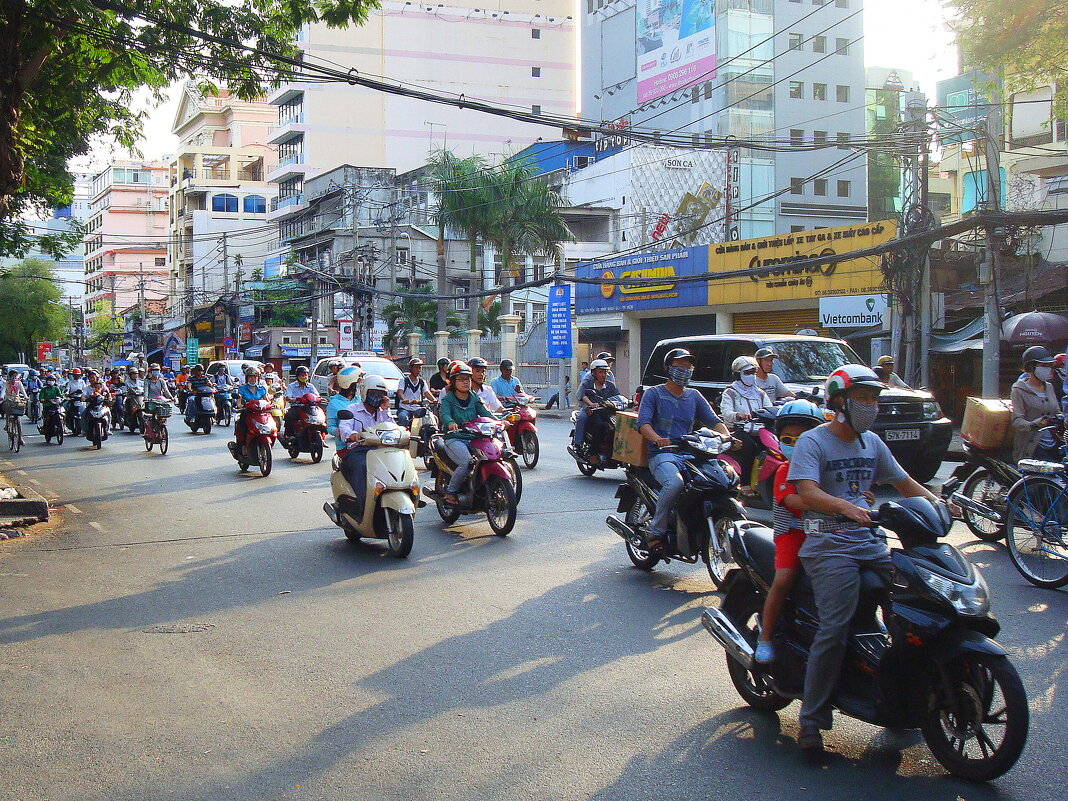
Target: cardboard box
{"points": [[987, 423], [629, 446]]}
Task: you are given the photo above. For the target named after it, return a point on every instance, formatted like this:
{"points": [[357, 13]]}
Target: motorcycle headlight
{"points": [[389, 437], [931, 410], [968, 599], [264, 428]]}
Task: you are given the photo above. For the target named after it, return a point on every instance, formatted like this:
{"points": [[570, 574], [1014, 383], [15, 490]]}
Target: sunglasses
{"points": [[788, 439], [749, 372]]}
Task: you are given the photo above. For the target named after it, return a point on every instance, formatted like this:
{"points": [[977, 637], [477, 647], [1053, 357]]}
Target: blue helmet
{"points": [[801, 413]]}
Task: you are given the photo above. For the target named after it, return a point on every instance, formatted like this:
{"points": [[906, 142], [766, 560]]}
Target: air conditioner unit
{"points": [[582, 162]]}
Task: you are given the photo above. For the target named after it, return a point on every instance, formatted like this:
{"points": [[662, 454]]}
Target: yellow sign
{"points": [[777, 280]]}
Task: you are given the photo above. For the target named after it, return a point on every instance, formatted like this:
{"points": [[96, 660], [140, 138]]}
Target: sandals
{"points": [[450, 499]]}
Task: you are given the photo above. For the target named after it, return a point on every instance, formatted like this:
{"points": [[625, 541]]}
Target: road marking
{"points": [[96, 525], [73, 508], [22, 472], [35, 481]]}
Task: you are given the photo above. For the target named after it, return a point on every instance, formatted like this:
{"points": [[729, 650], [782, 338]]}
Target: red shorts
{"points": [[786, 547]]}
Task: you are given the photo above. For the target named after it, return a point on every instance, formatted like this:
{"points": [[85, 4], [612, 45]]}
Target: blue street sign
{"points": [[558, 322]]}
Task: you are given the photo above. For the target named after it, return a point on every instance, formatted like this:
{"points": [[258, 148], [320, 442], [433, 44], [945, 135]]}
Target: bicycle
{"points": [[1036, 521], [14, 409]]}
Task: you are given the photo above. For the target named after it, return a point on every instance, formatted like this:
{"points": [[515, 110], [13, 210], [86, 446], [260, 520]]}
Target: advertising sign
{"points": [[682, 194], [780, 281], [297, 351], [852, 311], [192, 350], [964, 101], [676, 45], [667, 265], [558, 322], [44, 351], [345, 335]]}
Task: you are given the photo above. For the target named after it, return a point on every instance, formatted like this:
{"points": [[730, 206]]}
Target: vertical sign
{"points": [[345, 337], [44, 351], [731, 191], [676, 44], [558, 322], [192, 350]]}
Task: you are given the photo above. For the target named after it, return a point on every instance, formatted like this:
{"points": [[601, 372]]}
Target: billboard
{"points": [[667, 294], [676, 45], [964, 100]]}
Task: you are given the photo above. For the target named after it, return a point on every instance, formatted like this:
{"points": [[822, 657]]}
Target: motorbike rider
{"points": [[332, 385], [737, 404], [298, 389], [608, 357], [197, 383], [766, 379], [413, 392], [33, 384], [156, 385], [50, 392], [670, 410], [14, 392], [479, 386], [1034, 406], [98, 387], [440, 380], [459, 404], [506, 385], [74, 384], [595, 390], [884, 369], [348, 379], [371, 410], [833, 465], [252, 389]]}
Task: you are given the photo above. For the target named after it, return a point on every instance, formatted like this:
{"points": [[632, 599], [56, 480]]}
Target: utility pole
{"points": [[313, 354], [238, 263], [227, 327], [988, 272], [918, 112], [142, 311]]}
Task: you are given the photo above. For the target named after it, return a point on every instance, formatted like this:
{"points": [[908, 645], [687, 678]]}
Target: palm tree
{"points": [[408, 314], [489, 317]]}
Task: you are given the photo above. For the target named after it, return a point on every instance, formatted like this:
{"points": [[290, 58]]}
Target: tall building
{"points": [[888, 94], [126, 237], [784, 71], [219, 195]]}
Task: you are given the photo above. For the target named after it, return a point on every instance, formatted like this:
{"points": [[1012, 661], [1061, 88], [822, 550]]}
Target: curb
{"points": [[30, 507]]}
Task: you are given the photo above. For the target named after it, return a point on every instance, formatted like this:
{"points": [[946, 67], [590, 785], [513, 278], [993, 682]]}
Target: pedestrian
{"points": [[1034, 408], [555, 399]]}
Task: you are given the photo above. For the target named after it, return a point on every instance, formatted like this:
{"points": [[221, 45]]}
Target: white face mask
{"points": [[749, 379], [1043, 373]]}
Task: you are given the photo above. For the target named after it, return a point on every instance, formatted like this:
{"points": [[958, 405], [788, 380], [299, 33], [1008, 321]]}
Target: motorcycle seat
{"points": [[759, 542], [647, 476], [438, 444]]}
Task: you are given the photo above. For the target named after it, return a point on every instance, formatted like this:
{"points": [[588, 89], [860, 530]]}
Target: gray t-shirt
{"points": [[844, 470], [774, 386]]}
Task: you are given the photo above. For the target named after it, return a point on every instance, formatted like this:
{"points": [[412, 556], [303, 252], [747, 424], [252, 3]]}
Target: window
{"points": [[795, 41], [842, 93], [841, 46], [818, 2], [535, 33], [842, 3], [708, 90], [303, 340], [161, 262], [224, 203], [797, 137], [797, 186], [843, 141], [402, 255], [255, 204], [797, 89], [796, 228], [535, 72], [285, 340], [819, 137], [819, 91], [695, 94], [535, 110], [322, 340], [819, 186], [819, 44], [843, 189]]}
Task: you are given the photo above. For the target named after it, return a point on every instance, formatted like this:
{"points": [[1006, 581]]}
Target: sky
{"points": [[903, 34]]}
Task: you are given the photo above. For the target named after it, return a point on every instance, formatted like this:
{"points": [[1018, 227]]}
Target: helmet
{"points": [[458, 368], [302, 369], [415, 361], [76, 371], [252, 370], [766, 353], [153, 366], [885, 360], [848, 376], [477, 361], [799, 412], [608, 357], [1036, 354], [33, 373], [373, 382], [507, 364], [93, 374], [669, 357], [1059, 361], [598, 364], [743, 363], [349, 376], [335, 363], [443, 361]]}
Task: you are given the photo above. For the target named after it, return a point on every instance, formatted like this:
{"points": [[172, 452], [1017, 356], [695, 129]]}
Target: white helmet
{"points": [[372, 381], [743, 363], [349, 376], [601, 363]]}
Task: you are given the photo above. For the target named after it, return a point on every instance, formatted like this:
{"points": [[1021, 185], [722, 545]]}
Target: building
{"points": [[782, 71], [888, 94], [219, 195], [126, 237]]}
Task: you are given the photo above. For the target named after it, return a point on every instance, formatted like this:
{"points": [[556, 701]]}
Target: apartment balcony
{"points": [[288, 130], [289, 167], [282, 207]]}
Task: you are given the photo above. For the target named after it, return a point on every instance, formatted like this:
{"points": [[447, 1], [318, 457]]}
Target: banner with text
{"points": [[676, 45], [558, 322]]}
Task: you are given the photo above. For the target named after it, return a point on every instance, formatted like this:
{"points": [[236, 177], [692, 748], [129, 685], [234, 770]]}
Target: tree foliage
{"points": [[69, 69], [30, 309], [414, 314]]}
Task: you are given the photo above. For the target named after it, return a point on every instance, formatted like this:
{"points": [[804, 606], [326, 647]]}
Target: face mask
{"points": [[749, 379], [374, 400], [680, 375], [861, 415], [1043, 373], [154, 374], [787, 450]]}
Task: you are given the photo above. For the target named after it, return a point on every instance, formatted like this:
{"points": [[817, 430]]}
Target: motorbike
{"points": [[489, 484], [203, 411], [33, 407], [254, 441], [423, 427], [97, 420], [278, 407], [52, 422], [154, 427], [697, 527], [224, 403], [760, 482], [391, 495], [75, 411], [522, 433], [309, 429], [600, 432], [134, 410], [920, 655], [118, 406], [980, 486]]}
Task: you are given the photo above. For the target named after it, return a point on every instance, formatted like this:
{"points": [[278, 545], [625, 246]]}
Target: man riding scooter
{"points": [[298, 389], [197, 385], [373, 409], [412, 393], [594, 391]]}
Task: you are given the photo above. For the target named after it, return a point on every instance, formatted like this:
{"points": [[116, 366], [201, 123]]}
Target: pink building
{"points": [[126, 237]]}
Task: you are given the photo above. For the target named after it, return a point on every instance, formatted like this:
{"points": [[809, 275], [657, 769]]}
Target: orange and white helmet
{"points": [[848, 376]]}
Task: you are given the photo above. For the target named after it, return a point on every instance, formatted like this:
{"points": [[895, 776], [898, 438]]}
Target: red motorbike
{"points": [[308, 429], [255, 437], [522, 433]]}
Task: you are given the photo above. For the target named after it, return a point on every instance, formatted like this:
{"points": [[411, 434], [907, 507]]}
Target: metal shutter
{"points": [[777, 322]]}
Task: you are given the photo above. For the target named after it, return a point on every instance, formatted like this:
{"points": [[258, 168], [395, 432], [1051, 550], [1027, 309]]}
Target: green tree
{"points": [[70, 69], [489, 318], [409, 314], [104, 331], [280, 302], [30, 309]]}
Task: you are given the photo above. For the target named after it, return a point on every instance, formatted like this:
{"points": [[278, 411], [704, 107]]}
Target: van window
{"points": [[734, 349], [654, 369], [802, 362], [709, 356]]}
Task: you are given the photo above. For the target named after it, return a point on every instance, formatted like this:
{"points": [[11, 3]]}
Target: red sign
{"points": [[44, 351]]}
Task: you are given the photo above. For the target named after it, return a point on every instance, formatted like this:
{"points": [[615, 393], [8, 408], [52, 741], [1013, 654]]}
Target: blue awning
{"points": [[970, 331]]}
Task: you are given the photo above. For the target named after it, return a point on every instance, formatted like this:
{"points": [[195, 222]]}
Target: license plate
{"points": [[902, 434]]}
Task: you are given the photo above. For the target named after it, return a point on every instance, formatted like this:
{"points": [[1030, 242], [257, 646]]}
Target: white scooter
{"points": [[391, 496]]}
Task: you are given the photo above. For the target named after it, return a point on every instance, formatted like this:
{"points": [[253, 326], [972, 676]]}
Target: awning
{"points": [[609, 333], [958, 347], [254, 351], [972, 329]]}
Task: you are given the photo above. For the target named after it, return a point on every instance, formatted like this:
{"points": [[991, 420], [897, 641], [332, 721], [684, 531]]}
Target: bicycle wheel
{"points": [[16, 439], [1036, 530], [983, 487], [10, 435]]}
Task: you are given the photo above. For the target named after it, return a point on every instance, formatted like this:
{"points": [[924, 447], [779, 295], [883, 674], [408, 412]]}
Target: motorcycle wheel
{"points": [[531, 449], [500, 506], [586, 468], [401, 533], [207, 425], [983, 487], [225, 418], [242, 466], [751, 685], [352, 534], [164, 441], [449, 514], [59, 435], [148, 444], [263, 458], [638, 515], [293, 452], [987, 692], [517, 474], [717, 555], [94, 436], [315, 448]]}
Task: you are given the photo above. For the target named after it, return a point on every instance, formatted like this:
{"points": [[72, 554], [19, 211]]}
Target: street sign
{"points": [[852, 311], [345, 334], [228, 343], [44, 351], [192, 350], [558, 322]]}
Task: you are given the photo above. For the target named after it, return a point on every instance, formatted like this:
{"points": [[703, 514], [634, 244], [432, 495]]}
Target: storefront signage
{"points": [[297, 351], [777, 279], [192, 350], [663, 292], [852, 311], [558, 322]]}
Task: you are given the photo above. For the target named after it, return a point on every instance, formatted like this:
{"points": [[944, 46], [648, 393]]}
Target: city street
{"points": [[189, 633]]}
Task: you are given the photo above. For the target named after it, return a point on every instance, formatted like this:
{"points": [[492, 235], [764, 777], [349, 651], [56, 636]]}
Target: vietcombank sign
{"points": [[852, 311]]}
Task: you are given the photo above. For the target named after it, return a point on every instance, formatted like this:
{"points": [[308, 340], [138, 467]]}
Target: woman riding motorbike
{"points": [[459, 405], [737, 405], [1034, 407]]}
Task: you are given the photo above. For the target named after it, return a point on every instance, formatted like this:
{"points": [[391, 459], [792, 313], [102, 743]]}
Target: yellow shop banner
{"points": [[778, 280]]}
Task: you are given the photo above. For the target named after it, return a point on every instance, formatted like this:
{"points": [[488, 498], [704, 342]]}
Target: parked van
{"points": [[910, 422]]}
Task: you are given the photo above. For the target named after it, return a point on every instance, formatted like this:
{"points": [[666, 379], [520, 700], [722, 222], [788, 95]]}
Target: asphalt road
{"points": [[188, 633]]}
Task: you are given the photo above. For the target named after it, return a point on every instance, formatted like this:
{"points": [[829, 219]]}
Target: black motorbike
{"points": [[75, 411], [52, 422], [698, 524], [97, 421], [118, 406], [134, 410], [224, 403], [979, 486], [920, 652], [595, 451]]}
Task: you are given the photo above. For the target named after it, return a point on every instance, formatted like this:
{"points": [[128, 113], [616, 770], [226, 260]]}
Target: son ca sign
{"points": [[852, 311]]}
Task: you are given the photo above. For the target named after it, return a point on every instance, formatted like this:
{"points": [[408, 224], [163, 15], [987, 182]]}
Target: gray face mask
{"points": [[1043, 373], [680, 375], [861, 415]]}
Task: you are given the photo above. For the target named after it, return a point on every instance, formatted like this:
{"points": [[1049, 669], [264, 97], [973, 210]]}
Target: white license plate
{"points": [[902, 434]]}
